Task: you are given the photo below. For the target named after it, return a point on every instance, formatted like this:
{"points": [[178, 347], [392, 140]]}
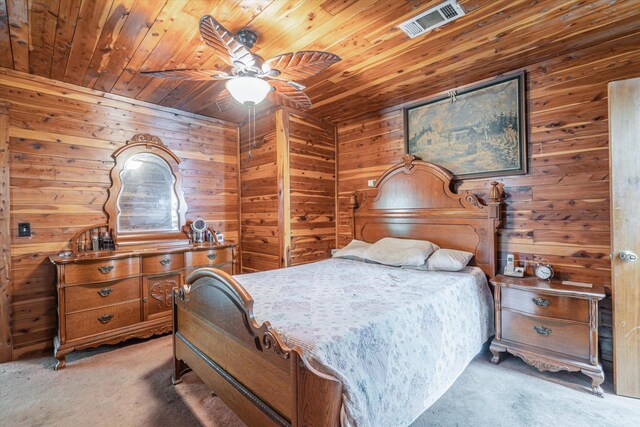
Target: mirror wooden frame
{"points": [[145, 143]]}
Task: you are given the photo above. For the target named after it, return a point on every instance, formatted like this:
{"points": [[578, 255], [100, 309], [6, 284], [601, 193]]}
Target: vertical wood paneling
{"points": [[560, 210], [312, 169], [6, 343], [61, 138]]}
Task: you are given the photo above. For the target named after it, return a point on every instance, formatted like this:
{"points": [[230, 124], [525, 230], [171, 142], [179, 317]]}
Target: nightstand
{"points": [[550, 326]]}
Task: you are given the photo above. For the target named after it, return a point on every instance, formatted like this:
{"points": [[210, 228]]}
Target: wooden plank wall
{"points": [[260, 240], [288, 190], [312, 169], [560, 210], [61, 140]]}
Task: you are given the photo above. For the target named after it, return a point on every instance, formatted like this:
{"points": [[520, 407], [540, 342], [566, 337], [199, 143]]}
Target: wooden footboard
{"points": [[248, 365]]}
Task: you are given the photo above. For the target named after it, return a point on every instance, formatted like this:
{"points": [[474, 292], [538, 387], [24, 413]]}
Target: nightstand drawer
{"points": [[546, 305], [561, 336]]}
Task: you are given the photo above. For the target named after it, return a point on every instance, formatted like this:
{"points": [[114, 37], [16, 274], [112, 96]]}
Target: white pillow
{"points": [[354, 250], [448, 260], [400, 252]]}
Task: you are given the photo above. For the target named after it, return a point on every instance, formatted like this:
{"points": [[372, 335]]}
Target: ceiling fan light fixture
{"points": [[247, 89]]}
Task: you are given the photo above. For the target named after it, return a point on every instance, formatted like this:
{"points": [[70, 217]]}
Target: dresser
{"points": [[111, 296], [550, 326]]}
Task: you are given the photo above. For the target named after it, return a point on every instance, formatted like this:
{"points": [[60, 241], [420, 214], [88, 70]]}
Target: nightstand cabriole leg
{"points": [[497, 352], [597, 378]]}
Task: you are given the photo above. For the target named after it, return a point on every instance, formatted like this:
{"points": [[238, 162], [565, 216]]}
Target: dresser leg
{"points": [[497, 352], [597, 378], [62, 362], [61, 355]]}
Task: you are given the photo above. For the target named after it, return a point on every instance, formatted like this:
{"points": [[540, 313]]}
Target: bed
{"points": [[352, 343]]}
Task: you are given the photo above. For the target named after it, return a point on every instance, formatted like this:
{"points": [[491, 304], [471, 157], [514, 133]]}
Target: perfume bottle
{"points": [[107, 241]]}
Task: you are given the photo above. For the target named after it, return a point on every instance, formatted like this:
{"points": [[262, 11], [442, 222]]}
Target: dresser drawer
{"points": [[162, 263], [560, 307], [84, 297], [561, 336], [209, 258], [90, 322], [100, 271]]}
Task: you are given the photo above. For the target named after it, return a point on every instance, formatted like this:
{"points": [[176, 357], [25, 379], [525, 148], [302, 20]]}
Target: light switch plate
{"points": [[24, 229]]}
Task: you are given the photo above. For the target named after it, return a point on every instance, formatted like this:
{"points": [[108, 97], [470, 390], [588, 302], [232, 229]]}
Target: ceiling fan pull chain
{"points": [[249, 129], [253, 111]]}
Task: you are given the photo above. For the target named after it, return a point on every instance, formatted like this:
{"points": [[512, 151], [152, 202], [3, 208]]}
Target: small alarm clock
{"points": [[543, 270]]}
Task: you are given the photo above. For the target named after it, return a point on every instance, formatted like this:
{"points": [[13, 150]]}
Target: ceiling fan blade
{"points": [[188, 74], [288, 96], [224, 100], [224, 43], [300, 65], [296, 85]]}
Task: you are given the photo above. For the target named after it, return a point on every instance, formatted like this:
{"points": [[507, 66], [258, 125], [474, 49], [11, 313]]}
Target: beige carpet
{"points": [[129, 385]]}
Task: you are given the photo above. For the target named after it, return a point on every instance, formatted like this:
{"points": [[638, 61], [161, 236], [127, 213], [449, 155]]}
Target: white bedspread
{"points": [[397, 339]]}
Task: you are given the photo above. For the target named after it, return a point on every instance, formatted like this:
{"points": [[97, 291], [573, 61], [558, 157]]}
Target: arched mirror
{"points": [[146, 202]]}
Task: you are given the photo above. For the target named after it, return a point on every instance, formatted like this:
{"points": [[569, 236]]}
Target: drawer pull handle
{"points": [[541, 302], [106, 269], [211, 256], [105, 292], [542, 330], [105, 318], [165, 261]]}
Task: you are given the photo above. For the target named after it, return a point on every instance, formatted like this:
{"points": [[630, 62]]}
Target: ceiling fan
{"points": [[250, 78]]}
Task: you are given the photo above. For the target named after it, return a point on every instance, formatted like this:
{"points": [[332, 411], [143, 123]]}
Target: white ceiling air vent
{"points": [[435, 17]]}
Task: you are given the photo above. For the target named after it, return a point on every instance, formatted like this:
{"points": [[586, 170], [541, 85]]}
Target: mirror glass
{"points": [[147, 200]]}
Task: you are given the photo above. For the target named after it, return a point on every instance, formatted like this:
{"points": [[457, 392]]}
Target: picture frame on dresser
{"points": [[117, 282], [477, 131]]}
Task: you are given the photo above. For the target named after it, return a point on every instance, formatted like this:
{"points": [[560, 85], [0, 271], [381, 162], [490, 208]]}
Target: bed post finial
{"points": [[494, 194], [353, 205], [408, 161], [353, 200]]}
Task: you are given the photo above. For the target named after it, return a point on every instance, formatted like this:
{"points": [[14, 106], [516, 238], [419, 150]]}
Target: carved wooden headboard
{"points": [[414, 200]]}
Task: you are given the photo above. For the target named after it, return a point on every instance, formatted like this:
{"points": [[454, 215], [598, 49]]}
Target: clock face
{"points": [[544, 272]]}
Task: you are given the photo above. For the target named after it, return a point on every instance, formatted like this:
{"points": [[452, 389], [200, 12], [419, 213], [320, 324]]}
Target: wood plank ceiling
{"points": [[103, 44]]}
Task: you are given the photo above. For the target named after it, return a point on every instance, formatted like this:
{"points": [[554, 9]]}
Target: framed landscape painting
{"points": [[477, 133]]}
